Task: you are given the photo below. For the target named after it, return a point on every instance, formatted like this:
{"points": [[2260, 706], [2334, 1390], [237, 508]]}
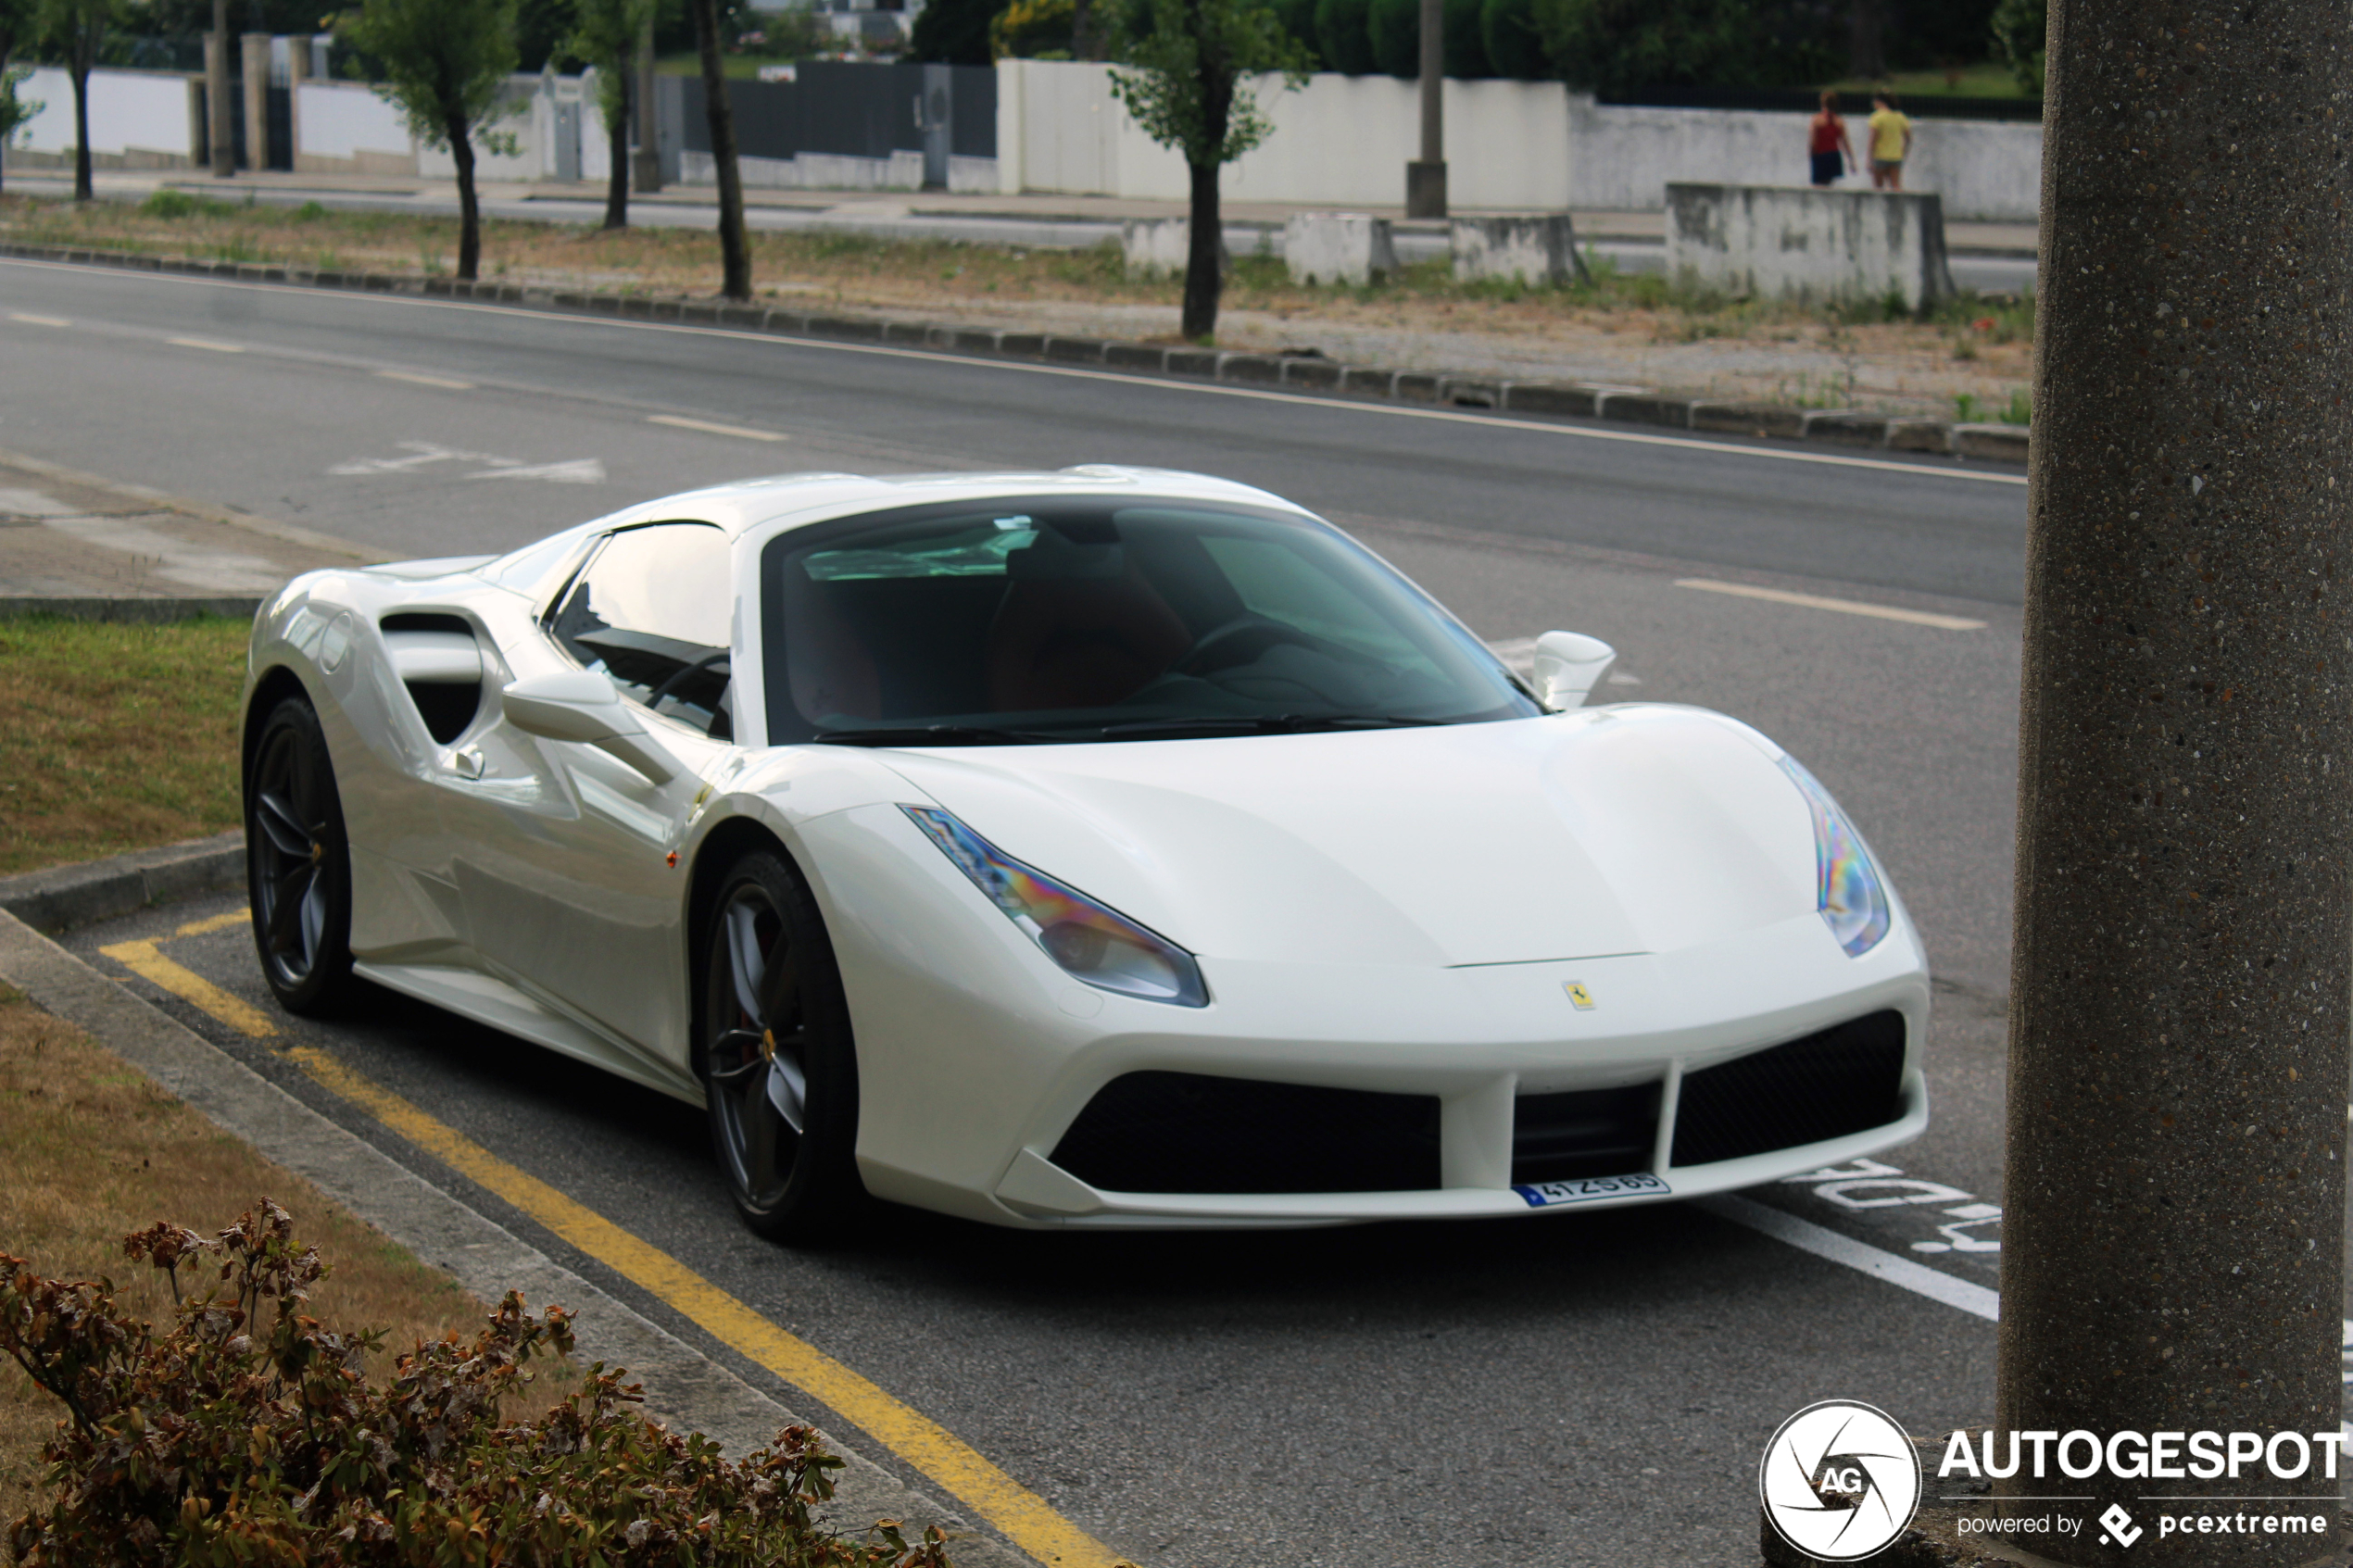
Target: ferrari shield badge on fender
{"points": [[1578, 995]]}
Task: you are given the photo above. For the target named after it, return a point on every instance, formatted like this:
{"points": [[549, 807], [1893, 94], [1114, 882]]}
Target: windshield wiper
{"points": [[1264, 723], [935, 734]]}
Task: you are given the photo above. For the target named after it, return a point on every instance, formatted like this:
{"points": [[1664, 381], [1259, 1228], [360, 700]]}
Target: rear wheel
{"points": [[779, 1069], [299, 862]]}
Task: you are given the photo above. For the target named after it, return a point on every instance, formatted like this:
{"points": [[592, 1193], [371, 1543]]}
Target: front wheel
{"points": [[299, 862], [779, 1070]]}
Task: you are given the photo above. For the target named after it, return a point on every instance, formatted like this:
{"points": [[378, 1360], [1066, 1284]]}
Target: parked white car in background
{"points": [[1100, 847]]}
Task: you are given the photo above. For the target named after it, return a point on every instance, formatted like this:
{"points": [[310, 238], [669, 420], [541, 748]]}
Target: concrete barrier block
{"points": [[1075, 350], [1368, 381], [1470, 392], [974, 341], [914, 333], [1523, 250], [1749, 419], [1919, 435], [1190, 362], [1162, 247], [2007, 442], [1843, 427], [1299, 371], [1261, 369], [1032, 343], [1338, 247], [1550, 398], [752, 316], [1797, 242], [1648, 409], [1413, 386], [857, 329]]}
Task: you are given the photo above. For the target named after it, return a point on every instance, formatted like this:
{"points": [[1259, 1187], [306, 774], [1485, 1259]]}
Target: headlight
{"points": [[1853, 901], [1091, 941]]}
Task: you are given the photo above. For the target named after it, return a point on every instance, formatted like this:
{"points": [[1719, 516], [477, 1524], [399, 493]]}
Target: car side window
{"points": [[652, 609]]}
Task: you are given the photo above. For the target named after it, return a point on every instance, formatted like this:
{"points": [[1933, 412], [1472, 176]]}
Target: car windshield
{"points": [[1055, 620]]}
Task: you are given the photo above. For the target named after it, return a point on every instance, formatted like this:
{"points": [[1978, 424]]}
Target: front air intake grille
{"points": [[1846, 1079], [1188, 1131], [1588, 1132]]}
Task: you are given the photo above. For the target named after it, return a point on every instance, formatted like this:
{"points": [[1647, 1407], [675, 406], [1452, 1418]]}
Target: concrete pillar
{"points": [[256, 64], [298, 72], [2173, 1219], [1426, 176], [220, 126]]}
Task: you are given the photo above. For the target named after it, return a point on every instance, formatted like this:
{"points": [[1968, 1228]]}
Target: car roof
{"points": [[801, 498]]}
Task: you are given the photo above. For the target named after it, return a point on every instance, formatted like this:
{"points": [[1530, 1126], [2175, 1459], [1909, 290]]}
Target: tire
{"points": [[780, 1070], [299, 864]]}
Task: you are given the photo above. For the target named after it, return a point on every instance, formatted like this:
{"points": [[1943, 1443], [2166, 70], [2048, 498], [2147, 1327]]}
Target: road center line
{"points": [[204, 343], [33, 321], [681, 422], [1823, 1242], [1844, 606], [414, 379], [1166, 383], [1025, 1518]]}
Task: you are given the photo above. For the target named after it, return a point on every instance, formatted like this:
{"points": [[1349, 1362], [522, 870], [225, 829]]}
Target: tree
{"points": [[1182, 80], [2019, 27], [1344, 37], [76, 29], [605, 35], [1614, 45], [2174, 1210], [952, 33], [444, 63], [735, 247], [16, 31]]}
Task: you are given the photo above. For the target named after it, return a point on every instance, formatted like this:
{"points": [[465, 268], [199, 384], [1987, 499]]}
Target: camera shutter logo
{"points": [[1840, 1480]]}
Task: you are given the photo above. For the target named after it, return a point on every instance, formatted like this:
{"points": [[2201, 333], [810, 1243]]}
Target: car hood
{"points": [[1632, 829]]}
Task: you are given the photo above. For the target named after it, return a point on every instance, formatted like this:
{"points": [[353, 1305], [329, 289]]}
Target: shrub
{"points": [[1394, 28], [1298, 18], [225, 1439], [1342, 36], [1514, 48], [1466, 48], [169, 203]]}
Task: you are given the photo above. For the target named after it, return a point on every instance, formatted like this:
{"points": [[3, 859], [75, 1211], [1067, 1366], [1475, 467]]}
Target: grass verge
{"points": [[115, 737], [91, 1149]]}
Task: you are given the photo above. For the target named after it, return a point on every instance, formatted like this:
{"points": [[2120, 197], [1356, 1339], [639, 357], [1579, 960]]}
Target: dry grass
{"points": [[91, 1149], [115, 737], [1621, 327]]}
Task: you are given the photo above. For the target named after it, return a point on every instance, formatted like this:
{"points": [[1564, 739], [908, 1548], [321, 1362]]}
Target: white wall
{"points": [[130, 113], [1623, 157], [347, 126], [1344, 140]]}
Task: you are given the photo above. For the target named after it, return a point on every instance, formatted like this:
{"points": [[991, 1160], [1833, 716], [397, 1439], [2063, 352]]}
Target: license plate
{"points": [[1548, 1195]]}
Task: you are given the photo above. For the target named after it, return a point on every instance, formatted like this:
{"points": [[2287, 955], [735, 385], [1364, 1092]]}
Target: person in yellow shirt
{"points": [[1890, 132]]}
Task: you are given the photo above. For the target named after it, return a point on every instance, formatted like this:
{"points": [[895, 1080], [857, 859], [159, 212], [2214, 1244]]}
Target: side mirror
{"points": [[1568, 666], [583, 706]]}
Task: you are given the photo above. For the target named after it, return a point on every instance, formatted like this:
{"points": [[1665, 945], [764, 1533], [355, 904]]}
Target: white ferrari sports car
{"points": [[1100, 847]]}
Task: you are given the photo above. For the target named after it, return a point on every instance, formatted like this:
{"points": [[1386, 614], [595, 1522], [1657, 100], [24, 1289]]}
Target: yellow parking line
{"points": [[216, 922], [141, 960], [679, 421], [204, 343], [1025, 1518]]}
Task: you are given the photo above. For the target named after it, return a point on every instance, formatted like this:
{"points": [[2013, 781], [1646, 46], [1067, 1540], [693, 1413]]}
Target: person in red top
{"points": [[1834, 154]]}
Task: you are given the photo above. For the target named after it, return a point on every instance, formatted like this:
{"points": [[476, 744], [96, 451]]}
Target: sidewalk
{"points": [[79, 546], [2007, 239]]}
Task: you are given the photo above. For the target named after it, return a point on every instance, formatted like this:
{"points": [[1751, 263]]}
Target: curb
{"points": [[1303, 374], [140, 612], [64, 896], [268, 528], [684, 1386]]}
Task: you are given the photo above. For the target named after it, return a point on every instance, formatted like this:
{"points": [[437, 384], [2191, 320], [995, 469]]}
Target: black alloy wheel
{"points": [[779, 1069], [298, 862]]}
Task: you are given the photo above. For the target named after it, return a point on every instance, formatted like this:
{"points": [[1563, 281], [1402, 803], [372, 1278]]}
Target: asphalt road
{"points": [[1563, 1389]]}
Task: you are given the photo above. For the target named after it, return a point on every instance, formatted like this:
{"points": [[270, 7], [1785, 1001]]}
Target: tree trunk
{"points": [[735, 248], [1204, 257], [462, 149], [617, 140], [83, 188], [219, 127], [1866, 49], [2178, 1051]]}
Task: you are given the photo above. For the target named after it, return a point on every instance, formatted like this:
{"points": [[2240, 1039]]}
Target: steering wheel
{"points": [[1237, 642], [678, 677]]}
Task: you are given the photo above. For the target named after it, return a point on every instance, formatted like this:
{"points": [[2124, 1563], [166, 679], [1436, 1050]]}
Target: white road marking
{"points": [[1451, 416], [680, 423], [580, 471], [1823, 1242], [204, 343], [413, 379], [576, 470], [1844, 606], [32, 320]]}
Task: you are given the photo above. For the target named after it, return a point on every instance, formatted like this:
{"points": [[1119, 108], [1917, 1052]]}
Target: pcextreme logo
{"points": [[1840, 1480]]}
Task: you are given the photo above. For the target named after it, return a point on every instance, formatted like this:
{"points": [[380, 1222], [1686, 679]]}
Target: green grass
{"points": [[115, 737]]}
